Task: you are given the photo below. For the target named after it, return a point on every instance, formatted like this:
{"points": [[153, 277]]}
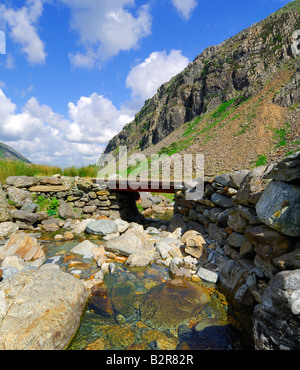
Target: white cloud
{"points": [[185, 7], [145, 78], [106, 27], [94, 120], [21, 25], [46, 137]]}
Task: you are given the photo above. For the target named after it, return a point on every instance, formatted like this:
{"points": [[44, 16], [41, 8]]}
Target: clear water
{"points": [[143, 308]]}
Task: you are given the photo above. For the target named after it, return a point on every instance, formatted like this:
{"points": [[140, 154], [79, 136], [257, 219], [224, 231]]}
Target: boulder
{"points": [[23, 245], [252, 187], [288, 261], [102, 227], [138, 260], [85, 248], [41, 310], [287, 170], [235, 221], [122, 225], [84, 185], [23, 216], [7, 229], [66, 211], [268, 242], [279, 208], [276, 321], [223, 179], [237, 177], [222, 200], [207, 275], [195, 244], [126, 244], [21, 181], [19, 196]]}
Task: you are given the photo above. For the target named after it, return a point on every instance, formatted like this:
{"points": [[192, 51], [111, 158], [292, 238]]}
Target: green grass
{"points": [[18, 168], [261, 161], [280, 135]]}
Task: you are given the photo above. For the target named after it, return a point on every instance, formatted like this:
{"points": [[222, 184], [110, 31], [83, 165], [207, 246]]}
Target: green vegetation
{"points": [[280, 135], [172, 149], [48, 205], [261, 161], [18, 168]]}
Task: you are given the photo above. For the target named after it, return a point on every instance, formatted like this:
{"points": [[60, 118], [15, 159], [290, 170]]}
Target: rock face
{"points": [[237, 68], [41, 310], [279, 313]]}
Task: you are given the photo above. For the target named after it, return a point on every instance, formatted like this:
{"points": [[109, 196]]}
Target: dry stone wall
{"points": [[252, 222], [78, 198]]}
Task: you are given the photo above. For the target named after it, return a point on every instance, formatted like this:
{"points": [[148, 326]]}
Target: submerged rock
{"points": [[171, 304]]}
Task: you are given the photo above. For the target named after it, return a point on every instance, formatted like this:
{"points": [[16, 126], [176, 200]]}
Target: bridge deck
{"points": [[147, 186]]}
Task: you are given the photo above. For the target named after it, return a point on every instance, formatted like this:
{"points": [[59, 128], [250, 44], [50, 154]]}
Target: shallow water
{"points": [[144, 308]]}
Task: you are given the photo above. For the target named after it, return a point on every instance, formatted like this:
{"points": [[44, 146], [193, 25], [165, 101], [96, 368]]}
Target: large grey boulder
{"points": [[279, 208], [276, 321], [102, 227], [40, 310]]}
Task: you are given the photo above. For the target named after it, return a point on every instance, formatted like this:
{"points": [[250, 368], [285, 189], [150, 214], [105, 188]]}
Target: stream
{"points": [[146, 309]]}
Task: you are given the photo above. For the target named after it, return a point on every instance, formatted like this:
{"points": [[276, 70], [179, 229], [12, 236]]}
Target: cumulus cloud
{"points": [[145, 78], [44, 136], [106, 27], [94, 120], [21, 27], [185, 8]]}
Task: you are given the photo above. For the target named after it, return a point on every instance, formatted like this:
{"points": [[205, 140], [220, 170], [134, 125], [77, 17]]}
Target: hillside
{"points": [[238, 102], [7, 152]]}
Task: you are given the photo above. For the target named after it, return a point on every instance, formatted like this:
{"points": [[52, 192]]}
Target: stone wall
{"points": [[252, 223], [78, 198]]}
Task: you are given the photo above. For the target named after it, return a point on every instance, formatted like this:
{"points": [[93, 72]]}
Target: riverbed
{"points": [[147, 308]]}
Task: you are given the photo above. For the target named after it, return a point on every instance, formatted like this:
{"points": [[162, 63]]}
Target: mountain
{"points": [[7, 152], [237, 102]]}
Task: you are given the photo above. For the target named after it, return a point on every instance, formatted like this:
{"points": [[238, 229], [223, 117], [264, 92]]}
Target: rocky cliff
{"points": [[243, 94]]}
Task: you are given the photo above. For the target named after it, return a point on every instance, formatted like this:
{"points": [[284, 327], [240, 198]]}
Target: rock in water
{"points": [[42, 310], [102, 227], [173, 303]]}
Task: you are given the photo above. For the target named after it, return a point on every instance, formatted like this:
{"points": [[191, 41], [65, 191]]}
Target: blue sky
{"points": [[75, 72]]}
